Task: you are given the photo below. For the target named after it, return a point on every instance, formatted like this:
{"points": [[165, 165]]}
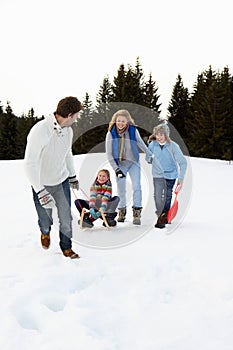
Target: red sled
{"points": [[173, 209]]}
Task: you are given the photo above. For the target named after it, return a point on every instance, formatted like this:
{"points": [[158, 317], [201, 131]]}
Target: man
{"points": [[50, 170]]}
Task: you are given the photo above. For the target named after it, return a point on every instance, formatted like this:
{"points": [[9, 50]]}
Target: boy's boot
{"points": [[137, 216], [162, 220], [121, 214]]}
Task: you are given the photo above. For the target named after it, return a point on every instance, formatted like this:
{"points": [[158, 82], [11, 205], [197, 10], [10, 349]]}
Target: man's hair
{"points": [[68, 105]]}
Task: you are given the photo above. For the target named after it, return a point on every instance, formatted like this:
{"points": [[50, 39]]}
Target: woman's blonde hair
{"points": [[123, 113]]}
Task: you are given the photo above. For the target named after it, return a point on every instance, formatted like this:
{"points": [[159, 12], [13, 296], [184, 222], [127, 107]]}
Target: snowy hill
{"points": [[157, 290]]}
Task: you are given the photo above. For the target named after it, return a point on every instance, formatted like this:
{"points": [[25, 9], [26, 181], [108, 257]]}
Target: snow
{"points": [[134, 287]]}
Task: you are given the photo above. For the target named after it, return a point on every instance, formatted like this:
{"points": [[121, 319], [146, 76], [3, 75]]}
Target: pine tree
{"points": [[104, 97], [119, 85], [134, 84], [127, 85], [82, 127], [179, 108], [8, 134], [105, 93], [150, 95], [1, 108], [24, 124], [225, 105], [206, 127]]}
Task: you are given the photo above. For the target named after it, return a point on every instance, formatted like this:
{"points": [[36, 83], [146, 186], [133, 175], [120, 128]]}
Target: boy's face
{"points": [[102, 177], [160, 137]]}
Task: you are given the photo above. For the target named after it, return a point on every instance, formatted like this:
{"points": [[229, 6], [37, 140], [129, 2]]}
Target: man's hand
{"points": [[46, 199], [74, 183]]}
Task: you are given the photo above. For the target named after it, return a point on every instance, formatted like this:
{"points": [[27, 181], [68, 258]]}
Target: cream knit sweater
{"points": [[48, 155]]}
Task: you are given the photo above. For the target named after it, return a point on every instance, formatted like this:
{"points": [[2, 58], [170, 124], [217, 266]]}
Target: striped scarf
{"points": [[121, 143]]}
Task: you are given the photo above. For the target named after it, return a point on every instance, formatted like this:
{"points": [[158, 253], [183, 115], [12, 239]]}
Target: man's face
{"points": [[70, 120]]}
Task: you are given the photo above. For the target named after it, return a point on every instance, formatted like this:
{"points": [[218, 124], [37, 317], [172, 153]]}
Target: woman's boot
{"points": [[137, 216], [121, 214]]}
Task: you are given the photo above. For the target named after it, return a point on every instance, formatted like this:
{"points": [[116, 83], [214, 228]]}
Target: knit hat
{"points": [[162, 128]]}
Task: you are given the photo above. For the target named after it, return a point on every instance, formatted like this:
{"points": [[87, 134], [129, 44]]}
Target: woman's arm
{"points": [[108, 149]]}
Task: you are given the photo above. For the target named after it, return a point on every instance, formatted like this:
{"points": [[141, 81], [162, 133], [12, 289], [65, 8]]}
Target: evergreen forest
{"points": [[203, 117]]}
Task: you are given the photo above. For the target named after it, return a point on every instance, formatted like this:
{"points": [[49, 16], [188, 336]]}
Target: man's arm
{"points": [[32, 158]]}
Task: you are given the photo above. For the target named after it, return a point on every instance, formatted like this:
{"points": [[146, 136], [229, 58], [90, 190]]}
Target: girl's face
{"points": [[121, 122], [160, 137], [102, 177]]}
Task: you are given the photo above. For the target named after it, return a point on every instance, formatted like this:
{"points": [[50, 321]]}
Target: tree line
{"points": [[203, 117]]}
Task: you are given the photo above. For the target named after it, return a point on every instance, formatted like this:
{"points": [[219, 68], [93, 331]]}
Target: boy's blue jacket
{"points": [[168, 162]]}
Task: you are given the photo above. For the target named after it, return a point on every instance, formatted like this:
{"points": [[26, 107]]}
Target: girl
{"points": [[100, 198], [122, 142], [168, 164]]}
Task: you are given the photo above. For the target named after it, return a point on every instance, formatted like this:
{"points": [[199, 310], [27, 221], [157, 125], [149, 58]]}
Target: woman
{"points": [[122, 143]]}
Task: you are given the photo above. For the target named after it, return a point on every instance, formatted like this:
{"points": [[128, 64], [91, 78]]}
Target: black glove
{"points": [[119, 173]]}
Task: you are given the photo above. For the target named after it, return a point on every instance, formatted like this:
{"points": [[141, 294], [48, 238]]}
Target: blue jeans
{"points": [[61, 195], [134, 171], [163, 194]]}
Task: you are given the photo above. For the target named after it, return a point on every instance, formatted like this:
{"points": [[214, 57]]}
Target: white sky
{"points": [[51, 49]]}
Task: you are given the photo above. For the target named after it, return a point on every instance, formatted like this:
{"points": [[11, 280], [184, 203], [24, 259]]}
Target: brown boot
{"points": [[162, 220], [70, 254], [45, 240]]}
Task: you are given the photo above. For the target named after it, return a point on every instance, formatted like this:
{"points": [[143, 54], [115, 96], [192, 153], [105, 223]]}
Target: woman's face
{"points": [[102, 177], [121, 122]]}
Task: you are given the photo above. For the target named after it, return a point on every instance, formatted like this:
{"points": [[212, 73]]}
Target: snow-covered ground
{"points": [[134, 287]]}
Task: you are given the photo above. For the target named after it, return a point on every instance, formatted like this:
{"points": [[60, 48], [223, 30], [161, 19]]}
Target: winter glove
{"points": [[179, 185], [149, 156], [150, 159], [95, 214], [74, 183], [119, 173], [46, 199]]}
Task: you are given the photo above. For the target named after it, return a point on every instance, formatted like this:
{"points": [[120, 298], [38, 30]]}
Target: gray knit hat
{"points": [[162, 128]]}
